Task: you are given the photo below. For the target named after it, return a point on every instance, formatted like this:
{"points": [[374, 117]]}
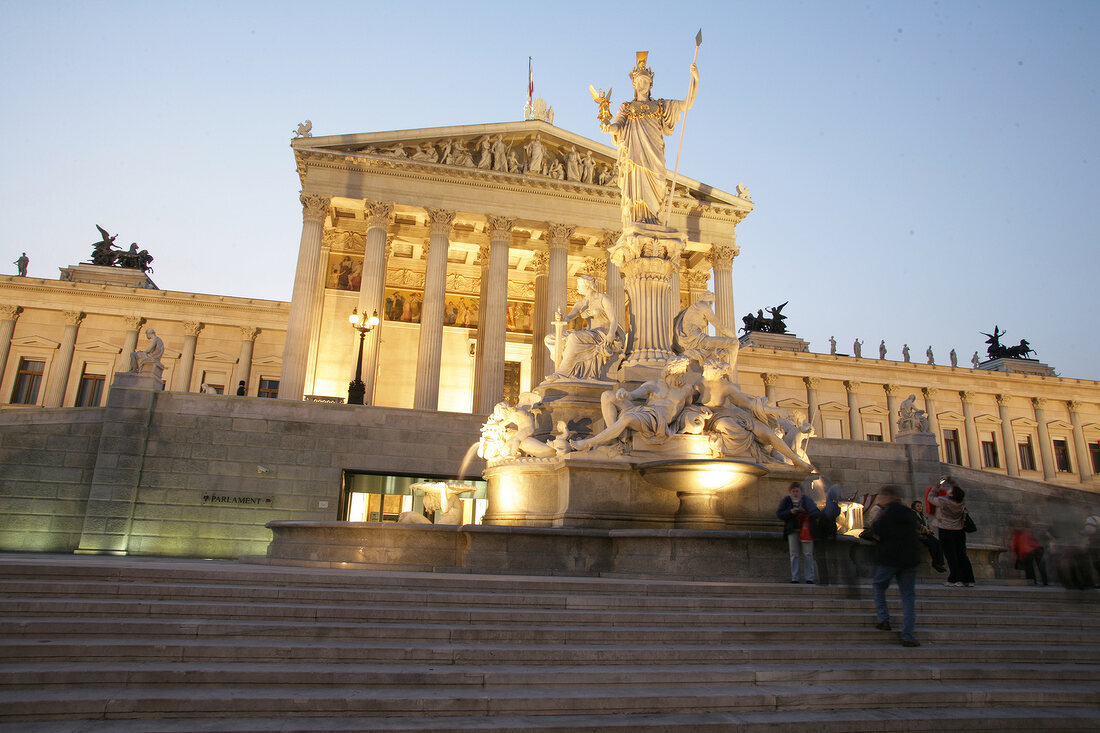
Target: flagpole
{"points": [[683, 125]]}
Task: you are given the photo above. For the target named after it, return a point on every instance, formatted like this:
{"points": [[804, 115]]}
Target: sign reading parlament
{"points": [[237, 499]]}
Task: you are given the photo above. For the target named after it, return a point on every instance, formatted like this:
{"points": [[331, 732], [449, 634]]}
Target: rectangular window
{"points": [[268, 388], [951, 447], [834, 428], [27, 382], [1061, 456], [874, 431], [370, 497], [990, 458], [1094, 452], [213, 383], [90, 391], [1027, 455]]}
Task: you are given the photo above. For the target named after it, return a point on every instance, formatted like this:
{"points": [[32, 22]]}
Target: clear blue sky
{"points": [[921, 171]]}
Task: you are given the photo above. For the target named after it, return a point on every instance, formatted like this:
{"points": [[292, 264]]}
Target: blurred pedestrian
{"points": [[1028, 552], [929, 540], [898, 557]]}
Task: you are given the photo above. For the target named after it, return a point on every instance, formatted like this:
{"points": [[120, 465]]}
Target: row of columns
{"points": [[61, 369], [973, 446], [551, 284]]}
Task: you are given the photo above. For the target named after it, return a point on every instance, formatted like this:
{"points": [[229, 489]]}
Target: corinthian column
{"points": [[244, 360], [812, 405], [372, 289], [1012, 458], [8, 314], [494, 315], [769, 386], [540, 355], [129, 343], [303, 301], [855, 426], [892, 392], [1083, 466], [930, 408], [59, 374], [721, 260], [615, 289], [973, 450], [430, 350], [557, 239], [1046, 455], [182, 382]]}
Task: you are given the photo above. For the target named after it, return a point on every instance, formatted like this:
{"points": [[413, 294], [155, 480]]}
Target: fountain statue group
{"points": [[657, 394]]}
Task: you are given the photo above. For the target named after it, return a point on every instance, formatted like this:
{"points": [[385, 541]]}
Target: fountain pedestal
{"points": [[698, 484]]}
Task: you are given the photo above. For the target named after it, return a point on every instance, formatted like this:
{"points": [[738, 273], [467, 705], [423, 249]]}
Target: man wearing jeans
{"points": [[899, 553], [795, 511]]}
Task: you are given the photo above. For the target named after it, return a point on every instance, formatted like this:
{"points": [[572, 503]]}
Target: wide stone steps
{"points": [[91, 644]]}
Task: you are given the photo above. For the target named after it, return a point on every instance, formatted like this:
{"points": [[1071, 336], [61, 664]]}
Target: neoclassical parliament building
{"points": [[466, 242]]}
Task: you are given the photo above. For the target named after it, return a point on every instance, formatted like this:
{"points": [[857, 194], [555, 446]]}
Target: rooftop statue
{"points": [[593, 351], [304, 129], [106, 254], [639, 130], [997, 350], [775, 324]]}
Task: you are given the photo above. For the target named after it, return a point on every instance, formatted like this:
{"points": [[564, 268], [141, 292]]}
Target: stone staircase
{"points": [[128, 644]]}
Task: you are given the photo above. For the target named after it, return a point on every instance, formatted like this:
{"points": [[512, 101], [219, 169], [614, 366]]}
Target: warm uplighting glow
{"points": [[363, 323]]}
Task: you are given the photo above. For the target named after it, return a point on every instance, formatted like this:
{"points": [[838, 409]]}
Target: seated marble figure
{"points": [[691, 333], [595, 350]]}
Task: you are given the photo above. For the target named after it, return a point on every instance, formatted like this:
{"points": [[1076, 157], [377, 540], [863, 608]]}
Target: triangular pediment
{"points": [[873, 410], [792, 403], [216, 356], [987, 419], [950, 416], [268, 361], [505, 151], [1060, 425], [1023, 422], [101, 347], [43, 343], [832, 407]]}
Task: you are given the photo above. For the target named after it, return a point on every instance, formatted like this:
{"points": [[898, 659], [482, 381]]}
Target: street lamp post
{"points": [[362, 324]]}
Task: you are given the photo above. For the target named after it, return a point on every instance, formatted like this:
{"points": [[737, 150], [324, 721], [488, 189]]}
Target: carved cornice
{"points": [[929, 392], [249, 333], [132, 323], [812, 382], [769, 380], [379, 214], [72, 318], [10, 312], [557, 235], [192, 328], [851, 385], [440, 222], [540, 263], [314, 208], [402, 278], [500, 227], [463, 284]]}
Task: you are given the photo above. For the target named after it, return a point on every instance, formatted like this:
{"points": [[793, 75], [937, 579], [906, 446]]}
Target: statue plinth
{"points": [[648, 256], [776, 341], [150, 375]]}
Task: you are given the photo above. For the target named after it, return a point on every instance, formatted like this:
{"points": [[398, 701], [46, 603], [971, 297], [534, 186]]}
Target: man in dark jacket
{"points": [[899, 554], [796, 511]]}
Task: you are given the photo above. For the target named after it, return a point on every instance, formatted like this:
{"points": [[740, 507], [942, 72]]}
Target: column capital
{"points": [[608, 239], [440, 221], [891, 389], [1039, 403], [379, 213], [249, 333], [769, 379], [192, 328], [10, 312], [696, 279], [966, 395], [500, 226], [557, 235], [1075, 405], [132, 323], [1003, 400], [851, 385], [929, 392], [314, 208], [72, 318], [722, 255], [812, 382], [540, 263], [596, 267], [482, 256]]}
